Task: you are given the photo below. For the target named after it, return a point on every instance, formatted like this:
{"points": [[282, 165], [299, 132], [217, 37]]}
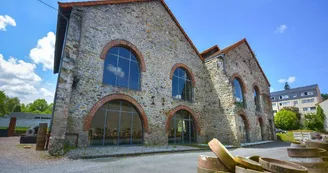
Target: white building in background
{"points": [[305, 98]]}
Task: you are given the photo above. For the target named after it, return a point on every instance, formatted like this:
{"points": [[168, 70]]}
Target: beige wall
{"points": [[324, 106], [276, 105]]}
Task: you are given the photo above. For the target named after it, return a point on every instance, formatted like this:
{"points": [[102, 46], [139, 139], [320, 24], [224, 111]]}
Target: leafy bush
{"points": [[287, 120], [294, 109], [315, 121]]}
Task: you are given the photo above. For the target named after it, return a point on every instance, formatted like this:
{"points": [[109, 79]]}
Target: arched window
{"points": [[116, 123], [238, 91], [121, 68], [243, 129], [181, 85], [257, 99], [181, 128]]}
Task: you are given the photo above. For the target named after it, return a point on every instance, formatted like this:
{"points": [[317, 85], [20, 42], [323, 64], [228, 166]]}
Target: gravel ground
{"points": [[14, 158]]}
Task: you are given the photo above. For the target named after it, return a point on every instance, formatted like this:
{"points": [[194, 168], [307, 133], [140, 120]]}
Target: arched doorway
{"points": [[242, 125], [116, 122], [260, 127], [181, 128]]}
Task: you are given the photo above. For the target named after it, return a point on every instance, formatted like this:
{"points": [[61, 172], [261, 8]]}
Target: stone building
{"points": [[129, 74]]}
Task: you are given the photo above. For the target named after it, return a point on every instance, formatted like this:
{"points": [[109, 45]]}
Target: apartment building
{"points": [[305, 98]]}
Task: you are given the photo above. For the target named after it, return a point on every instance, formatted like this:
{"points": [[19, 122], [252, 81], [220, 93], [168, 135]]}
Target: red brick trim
{"points": [[176, 109], [189, 72], [125, 44], [132, 101], [243, 115], [241, 81], [255, 87]]}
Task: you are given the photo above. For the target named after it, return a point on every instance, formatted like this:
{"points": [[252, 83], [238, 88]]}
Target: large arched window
{"points": [[116, 123], [181, 128], [243, 128], [238, 91], [257, 99], [181, 85], [121, 68]]}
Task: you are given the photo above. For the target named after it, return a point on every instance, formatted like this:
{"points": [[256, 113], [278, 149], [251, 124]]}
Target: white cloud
{"points": [[50, 84], [281, 29], [43, 53], [6, 20], [290, 80], [18, 79], [116, 70], [46, 93]]}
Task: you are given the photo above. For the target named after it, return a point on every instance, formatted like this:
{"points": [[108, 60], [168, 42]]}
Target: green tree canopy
{"points": [[287, 87], [324, 96], [286, 120], [296, 110]]}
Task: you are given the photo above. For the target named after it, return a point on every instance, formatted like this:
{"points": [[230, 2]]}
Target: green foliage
{"points": [[9, 105], [286, 120], [324, 96], [315, 121], [287, 87], [295, 110]]}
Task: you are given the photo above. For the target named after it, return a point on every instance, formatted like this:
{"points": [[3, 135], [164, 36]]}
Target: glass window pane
{"points": [[125, 128], [182, 89], [175, 88], [134, 76], [96, 132], [123, 73], [110, 69], [111, 137], [124, 53], [137, 130], [171, 131], [133, 57], [176, 72], [114, 105], [182, 73], [188, 91], [114, 50], [179, 132], [238, 91]]}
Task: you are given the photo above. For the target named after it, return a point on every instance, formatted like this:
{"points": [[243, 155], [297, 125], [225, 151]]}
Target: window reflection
{"points": [[116, 123], [181, 85], [238, 91], [121, 68], [181, 128]]}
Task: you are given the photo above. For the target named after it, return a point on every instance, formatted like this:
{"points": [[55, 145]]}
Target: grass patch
{"points": [[289, 136]]}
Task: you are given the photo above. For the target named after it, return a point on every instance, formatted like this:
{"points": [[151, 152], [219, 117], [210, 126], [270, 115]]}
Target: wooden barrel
{"points": [[204, 170], [42, 136], [213, 163]]}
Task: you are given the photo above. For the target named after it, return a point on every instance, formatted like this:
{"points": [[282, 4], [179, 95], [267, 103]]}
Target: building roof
{"points": [[64, 12], [208, 52], [293, 90], [235, 45]]}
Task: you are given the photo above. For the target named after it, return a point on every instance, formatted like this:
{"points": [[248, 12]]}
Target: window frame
{"points": [[188, 79]]}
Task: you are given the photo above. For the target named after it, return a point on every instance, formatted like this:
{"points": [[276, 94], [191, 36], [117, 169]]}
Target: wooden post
{"points": [[41, 138], [12, 126]]}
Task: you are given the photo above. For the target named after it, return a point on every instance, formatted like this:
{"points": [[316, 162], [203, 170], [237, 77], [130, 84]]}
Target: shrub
{"points": [[286, 120], [313, 122], [294, 109]]}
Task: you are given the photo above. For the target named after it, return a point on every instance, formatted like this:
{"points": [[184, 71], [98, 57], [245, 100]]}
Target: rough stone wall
{"points": [[241, 61], [149, 27], [152, 31]]}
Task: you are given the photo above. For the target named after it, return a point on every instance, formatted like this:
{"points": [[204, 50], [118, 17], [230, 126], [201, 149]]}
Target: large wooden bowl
{"points": [[213, 163], [248, 163], [280, 166], [223, 154]]}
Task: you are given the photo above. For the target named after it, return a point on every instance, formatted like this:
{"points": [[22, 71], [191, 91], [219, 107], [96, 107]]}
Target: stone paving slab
{"points": [[121, 151]]}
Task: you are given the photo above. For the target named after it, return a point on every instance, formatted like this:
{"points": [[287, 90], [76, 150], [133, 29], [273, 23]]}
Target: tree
{"points": [[3, 106], [39, 105], [13, 105], [295, 110], [286, 120], [287, 87], [324, 96]]}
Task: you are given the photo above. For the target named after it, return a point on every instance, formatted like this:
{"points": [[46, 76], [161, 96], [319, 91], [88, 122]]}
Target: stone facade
{"points": [[150, 28]]}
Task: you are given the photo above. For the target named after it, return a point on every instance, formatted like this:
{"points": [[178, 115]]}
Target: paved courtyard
{"points": [[16, 159]]}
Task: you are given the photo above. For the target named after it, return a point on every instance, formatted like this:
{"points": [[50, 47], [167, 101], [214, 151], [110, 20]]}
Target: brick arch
{"points": [[189, 72], [260, 120], [246, 121], [126, 44], [176, 109], [256, 87], [132, 101], [241, 81]]}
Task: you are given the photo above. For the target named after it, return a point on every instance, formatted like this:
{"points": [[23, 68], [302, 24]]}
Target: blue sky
{"points": [[288, 38]]}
